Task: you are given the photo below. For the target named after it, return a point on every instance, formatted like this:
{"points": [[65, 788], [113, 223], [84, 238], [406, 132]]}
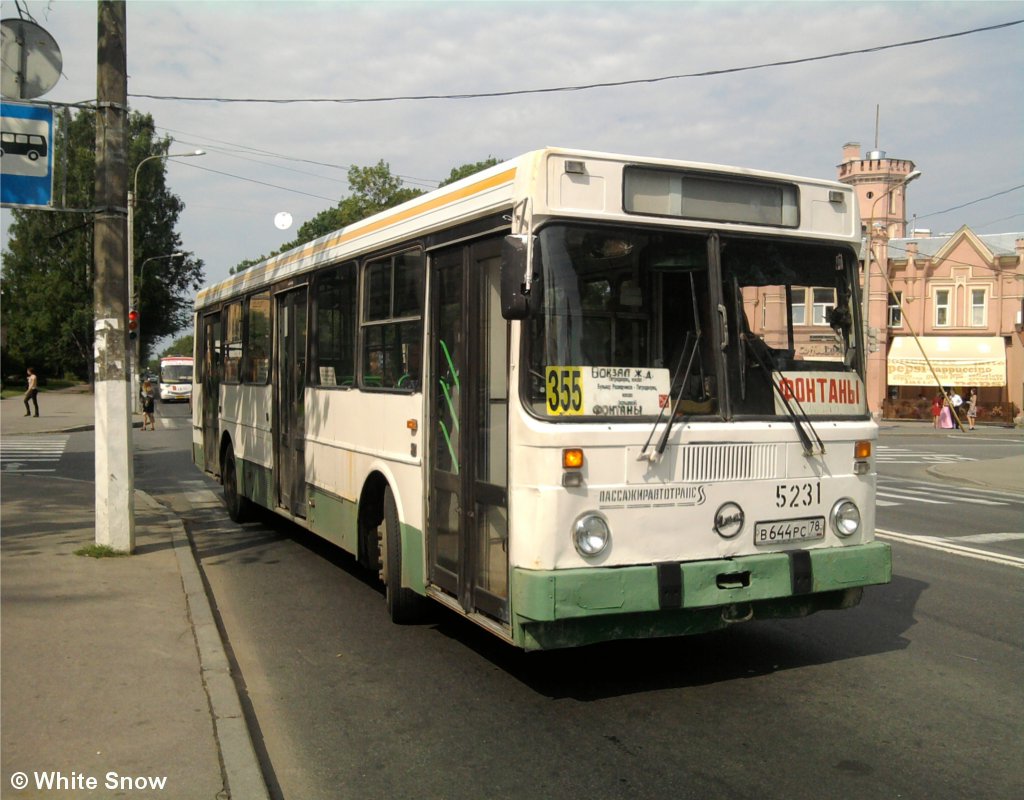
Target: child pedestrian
{"points": [[147, 407]]}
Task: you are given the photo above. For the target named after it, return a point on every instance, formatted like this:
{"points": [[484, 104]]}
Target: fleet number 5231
{"points": [[797, 495]]}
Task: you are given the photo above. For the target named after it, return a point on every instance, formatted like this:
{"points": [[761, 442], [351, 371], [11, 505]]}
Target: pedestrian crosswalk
{"points": [[899, 491], [171, 423], [35, 453], [885, 454]]}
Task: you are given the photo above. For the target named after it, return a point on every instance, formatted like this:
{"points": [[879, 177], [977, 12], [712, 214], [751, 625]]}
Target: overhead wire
{"points": [[190, 165], [971, 203], [582, 87], [428, 183]]}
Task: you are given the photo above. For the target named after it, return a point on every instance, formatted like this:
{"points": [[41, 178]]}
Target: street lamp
{"points": [[132, 195], [137, 348], [870, 255]]}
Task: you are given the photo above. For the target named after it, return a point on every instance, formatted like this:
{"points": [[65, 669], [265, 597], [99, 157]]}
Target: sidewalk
{"points": [[64, 410], [113, 669], [1004, 474]]}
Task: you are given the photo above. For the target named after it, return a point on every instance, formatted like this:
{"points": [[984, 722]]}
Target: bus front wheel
{"points": [[239, 506], [404, 605]]}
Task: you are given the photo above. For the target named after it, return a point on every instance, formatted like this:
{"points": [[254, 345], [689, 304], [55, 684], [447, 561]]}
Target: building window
{"points": [[799, 306], [978, 306], [392, 326], [233, 343], [942, 319], [257, 339], [895, 309], [336, 327], [824, 302]]}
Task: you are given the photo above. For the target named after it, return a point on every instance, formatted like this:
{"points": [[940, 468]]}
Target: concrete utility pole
{"points": [[115, 479]]}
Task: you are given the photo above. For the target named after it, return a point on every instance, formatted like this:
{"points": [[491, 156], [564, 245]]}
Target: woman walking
{"points": [[32, 392]]}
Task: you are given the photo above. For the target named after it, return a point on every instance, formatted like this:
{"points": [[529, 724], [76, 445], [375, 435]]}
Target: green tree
{"points": [[182, 346], [458, 173], [48, 265]]}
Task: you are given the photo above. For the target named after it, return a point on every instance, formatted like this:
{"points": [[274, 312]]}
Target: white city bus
{"points": [[175, 378], [575, 397]]}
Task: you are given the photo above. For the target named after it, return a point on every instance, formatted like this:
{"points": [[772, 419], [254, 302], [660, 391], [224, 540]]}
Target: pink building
{"points": [[940, 309]]}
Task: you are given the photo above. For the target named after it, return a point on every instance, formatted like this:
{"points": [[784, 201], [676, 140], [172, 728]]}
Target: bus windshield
{"points": [[176, 373], [627, 321]]}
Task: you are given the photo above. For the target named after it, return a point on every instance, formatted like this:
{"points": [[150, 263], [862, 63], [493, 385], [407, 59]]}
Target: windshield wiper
{"points": [[691, 343], [799, 420]]}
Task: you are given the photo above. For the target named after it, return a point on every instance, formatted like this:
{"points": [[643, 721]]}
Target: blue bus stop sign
{"points": [[26, 155]]}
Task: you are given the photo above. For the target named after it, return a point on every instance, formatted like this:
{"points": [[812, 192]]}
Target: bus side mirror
{"points": [[517, 275]]}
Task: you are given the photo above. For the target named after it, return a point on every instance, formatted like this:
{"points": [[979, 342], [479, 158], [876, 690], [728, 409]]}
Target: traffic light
{"points": [[133, 323]]}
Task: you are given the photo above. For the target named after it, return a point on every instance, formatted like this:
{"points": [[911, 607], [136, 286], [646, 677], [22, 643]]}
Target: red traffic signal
{"points": [[133, 322]]}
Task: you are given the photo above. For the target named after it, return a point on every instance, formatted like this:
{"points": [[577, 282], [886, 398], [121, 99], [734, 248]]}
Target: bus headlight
{"points": [[845, 517], [590, 535]]}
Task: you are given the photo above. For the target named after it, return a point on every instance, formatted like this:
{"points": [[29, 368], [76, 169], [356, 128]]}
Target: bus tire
{"points": [[239, 506], [404, 605]]}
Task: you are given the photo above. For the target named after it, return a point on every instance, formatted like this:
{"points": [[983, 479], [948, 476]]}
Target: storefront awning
{"points": [[957, 360]]}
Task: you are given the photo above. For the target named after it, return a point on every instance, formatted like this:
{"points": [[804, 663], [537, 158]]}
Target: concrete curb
{"points": [[242, 774]]}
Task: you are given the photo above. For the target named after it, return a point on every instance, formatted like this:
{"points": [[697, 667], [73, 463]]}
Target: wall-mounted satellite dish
{"points": [[31, 60], [283, 221]]}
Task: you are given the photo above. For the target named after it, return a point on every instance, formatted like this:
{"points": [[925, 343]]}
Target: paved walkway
{"points": [[114, 672]]}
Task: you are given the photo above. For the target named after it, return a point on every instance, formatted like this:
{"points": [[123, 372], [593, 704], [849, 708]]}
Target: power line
{"points": [[582, 87], [429, 183], [261, 183], [971, 203]]}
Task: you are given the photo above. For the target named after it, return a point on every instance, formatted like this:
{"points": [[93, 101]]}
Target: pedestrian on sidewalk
{"points": [[147, 407], [945, 418], [32, 392], [936, 410], [972, 408]]}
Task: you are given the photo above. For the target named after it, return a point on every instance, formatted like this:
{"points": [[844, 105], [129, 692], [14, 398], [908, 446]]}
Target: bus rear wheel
{"points": [[403, 604], [239, 506]]}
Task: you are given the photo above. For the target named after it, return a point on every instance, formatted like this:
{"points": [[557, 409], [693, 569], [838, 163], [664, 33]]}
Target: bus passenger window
{"points": [[233, 343], [392, 322], [257, 339], [335, 327]]}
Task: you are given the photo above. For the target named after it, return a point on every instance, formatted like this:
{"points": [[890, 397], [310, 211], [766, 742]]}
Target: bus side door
{"points": [[209, 351], [467, 517], [289, 403]]}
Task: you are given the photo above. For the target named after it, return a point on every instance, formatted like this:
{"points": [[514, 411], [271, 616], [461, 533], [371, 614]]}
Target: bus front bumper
{"points": [[566, 608]]}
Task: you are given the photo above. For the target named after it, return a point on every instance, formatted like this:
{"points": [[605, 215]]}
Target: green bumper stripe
{"points": [[549, 595]]}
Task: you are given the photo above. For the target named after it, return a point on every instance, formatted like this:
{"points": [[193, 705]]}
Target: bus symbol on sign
{"points": [[22, 144], [26, 155]]}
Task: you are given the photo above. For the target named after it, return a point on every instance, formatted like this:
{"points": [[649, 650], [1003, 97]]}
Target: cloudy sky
{"points": [[952, 106]]}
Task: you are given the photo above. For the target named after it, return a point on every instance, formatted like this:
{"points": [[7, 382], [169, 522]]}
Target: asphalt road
{"points": [[914, 694]]}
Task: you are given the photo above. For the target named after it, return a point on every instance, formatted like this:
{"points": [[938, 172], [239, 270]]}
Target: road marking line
{"points": [[983, 538], [946, 546], [912, 498]]}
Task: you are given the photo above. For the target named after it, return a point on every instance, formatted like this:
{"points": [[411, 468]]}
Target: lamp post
{"points": [[870, 255], [137, 348], [132, 196]]}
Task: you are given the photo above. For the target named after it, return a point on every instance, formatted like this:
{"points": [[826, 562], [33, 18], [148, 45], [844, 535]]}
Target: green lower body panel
{"points": [[566, 608], [256, 482]]}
